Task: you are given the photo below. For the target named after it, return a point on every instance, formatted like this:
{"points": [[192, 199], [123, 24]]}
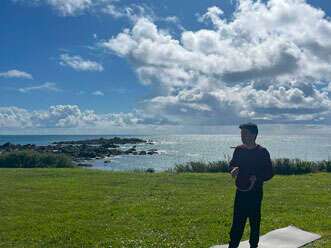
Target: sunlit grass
{"points": [[65, 207]]}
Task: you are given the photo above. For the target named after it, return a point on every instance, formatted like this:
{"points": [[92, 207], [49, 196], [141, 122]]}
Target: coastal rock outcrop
{"points": [[84, 150]]}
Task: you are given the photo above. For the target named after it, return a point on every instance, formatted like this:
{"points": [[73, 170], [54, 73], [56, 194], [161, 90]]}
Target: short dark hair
{"points": [[251, 127]]}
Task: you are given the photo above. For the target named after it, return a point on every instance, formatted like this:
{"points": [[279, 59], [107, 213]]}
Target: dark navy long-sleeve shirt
{"points": [[251, 162]]}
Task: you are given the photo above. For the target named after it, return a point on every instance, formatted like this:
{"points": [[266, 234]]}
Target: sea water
{"points": [[175, 149]]}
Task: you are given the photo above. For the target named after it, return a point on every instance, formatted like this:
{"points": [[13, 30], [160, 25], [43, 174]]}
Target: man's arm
{"points": [[268, 171], [234, 162]]}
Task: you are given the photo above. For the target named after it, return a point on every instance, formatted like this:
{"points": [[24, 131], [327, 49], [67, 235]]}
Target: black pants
{"points": [[246, 204]]}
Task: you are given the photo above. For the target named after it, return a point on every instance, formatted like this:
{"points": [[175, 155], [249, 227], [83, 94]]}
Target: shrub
{"points": [[151, 170], [29, 159], [282, 166]]}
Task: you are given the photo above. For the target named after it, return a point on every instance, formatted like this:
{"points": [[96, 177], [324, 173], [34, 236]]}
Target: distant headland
{"points": [[84, 150]]}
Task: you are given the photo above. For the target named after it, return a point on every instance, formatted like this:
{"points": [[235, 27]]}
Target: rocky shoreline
{"points": [[85, 150]]}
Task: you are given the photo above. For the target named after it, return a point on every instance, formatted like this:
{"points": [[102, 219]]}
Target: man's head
{"points": [[249, 132]]}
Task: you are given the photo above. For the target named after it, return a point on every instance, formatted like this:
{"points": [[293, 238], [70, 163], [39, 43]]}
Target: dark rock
{"points": [[131, 150], [85, 165], [82, 150], [151, 151], [101, 141]]}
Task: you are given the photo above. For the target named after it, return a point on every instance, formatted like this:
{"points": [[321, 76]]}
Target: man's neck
{"points": [[250, 146]]}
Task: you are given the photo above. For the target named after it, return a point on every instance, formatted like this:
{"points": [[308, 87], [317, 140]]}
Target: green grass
{"points": [[65, 207]]}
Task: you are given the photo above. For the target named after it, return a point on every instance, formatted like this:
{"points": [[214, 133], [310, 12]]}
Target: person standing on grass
{"points": [[250, 166]]}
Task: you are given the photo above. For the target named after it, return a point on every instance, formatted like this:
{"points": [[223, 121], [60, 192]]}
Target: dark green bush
{"points": [[29, 159], [283, 166]]}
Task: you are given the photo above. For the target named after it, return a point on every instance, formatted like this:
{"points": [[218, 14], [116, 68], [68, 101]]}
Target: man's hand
{"points": [[234, 172], [252, 178]]}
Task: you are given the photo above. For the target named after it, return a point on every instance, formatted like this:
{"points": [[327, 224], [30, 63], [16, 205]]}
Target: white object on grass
{"points": [[287, 237]]}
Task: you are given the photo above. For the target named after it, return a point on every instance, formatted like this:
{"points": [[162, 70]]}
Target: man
{"points": [[250, 166]]}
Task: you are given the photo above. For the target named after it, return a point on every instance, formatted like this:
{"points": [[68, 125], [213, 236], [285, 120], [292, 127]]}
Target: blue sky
{"points": [[115, 66]]}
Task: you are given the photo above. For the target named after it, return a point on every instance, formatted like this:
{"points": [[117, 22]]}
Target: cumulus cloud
{"points": [[15, 74], [67, 116], [328, 87], [79, 64], [70, 7], [133, 11], [173, 19], [116, 12], [71, 119], [67, 7], [264, 64], [213, 14], [46, 86], [14, 118], [78, 7], [98, 93]]}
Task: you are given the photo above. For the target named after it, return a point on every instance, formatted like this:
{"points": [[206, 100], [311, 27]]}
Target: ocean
{"points": [[177, 148]]}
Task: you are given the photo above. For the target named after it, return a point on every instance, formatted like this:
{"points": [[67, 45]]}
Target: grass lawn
{"points": [[67, 207]]}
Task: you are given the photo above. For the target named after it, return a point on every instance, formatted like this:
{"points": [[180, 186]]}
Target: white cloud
{"points": [[133, 12], [79, 64], [173, 19], [64, 116], [65, 7], [15, 74], [214, 14], [45, 86], [70, 7], [327, 88], [115, 12], [98, 93], [70, 119], [14, 118], [78, 7], [265, 64]]}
